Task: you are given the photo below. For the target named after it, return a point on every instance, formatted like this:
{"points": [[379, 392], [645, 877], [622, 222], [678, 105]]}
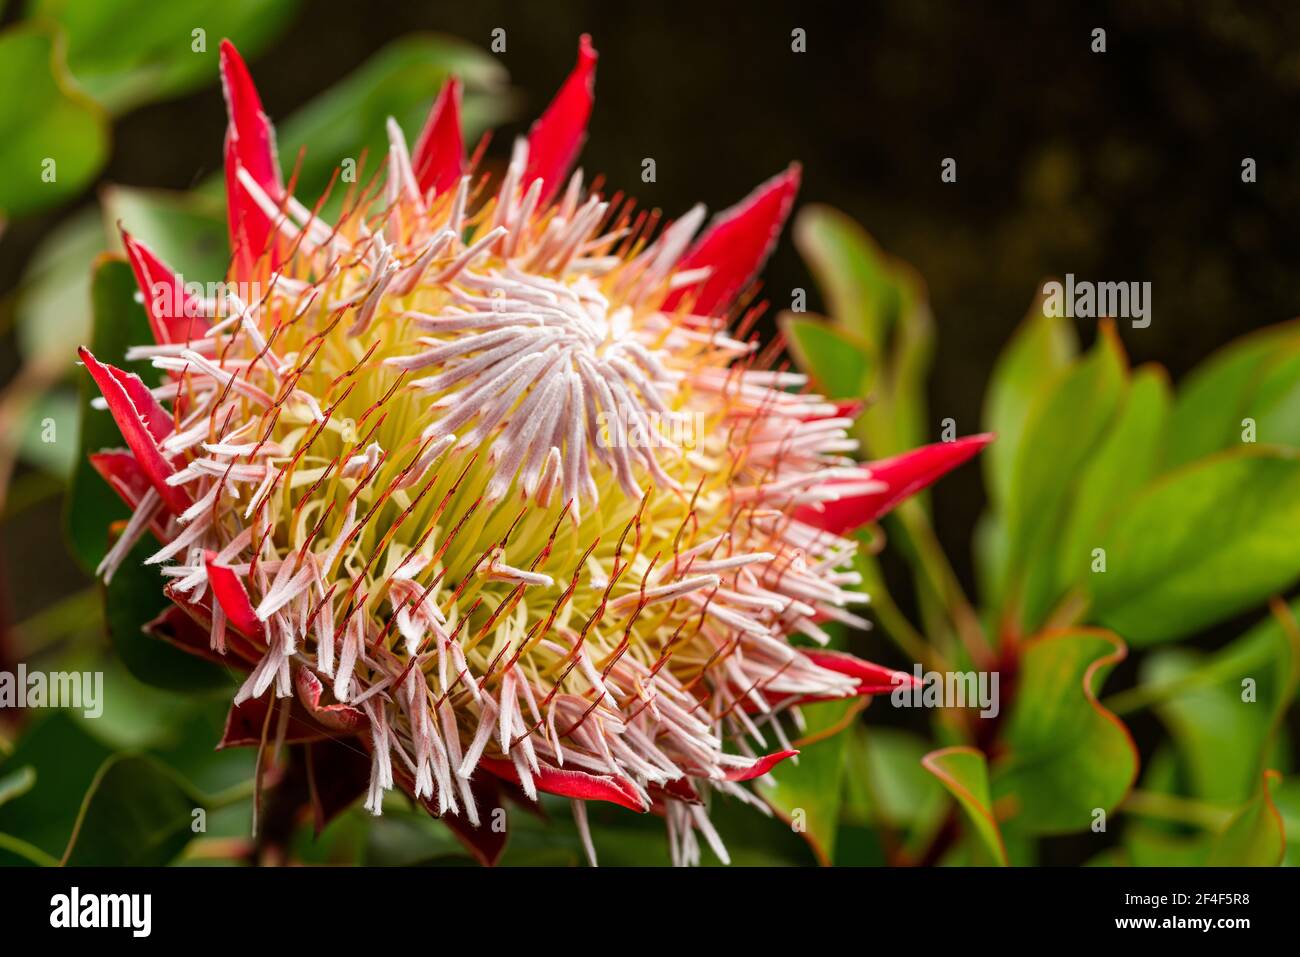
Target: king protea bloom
{"points": [[489, 476]]}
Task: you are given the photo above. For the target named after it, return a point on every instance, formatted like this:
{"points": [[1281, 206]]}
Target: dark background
{"points": [[1119, 166]]}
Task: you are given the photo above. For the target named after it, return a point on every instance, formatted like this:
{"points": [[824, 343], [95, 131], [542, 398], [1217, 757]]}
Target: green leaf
{"points": [[881, 303], [65, 759], [119, 321], [1218, 738], [1223, 710], [400, 81], [1203, 543], [16, 783], [1062, 430], [52, 312], [885, 782], [965, 774], [188, 749], [53, 139], [49, 432], [1216, 395], [1147, 846], [853, 272], [1065, 756], [1286, 797], [1042, 347], [837, 364], [131, 715], [155, 57], [137, 813], [1121, 465], [403, 838], [886, 786], [989, 548], [808, 795], [1274, 406], [1254, 837]]}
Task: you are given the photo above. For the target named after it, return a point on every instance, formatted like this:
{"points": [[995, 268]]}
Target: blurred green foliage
{"points": [[1122, 513]]}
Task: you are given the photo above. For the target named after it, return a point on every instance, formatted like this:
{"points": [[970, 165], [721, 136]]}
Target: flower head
{"points": [[489, 473]]}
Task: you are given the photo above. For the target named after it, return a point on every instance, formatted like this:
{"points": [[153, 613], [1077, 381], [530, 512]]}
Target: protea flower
{"points": [[490, 475]]}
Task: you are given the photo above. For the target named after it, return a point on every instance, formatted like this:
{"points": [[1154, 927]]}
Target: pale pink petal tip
{"points": [[142, 422]]}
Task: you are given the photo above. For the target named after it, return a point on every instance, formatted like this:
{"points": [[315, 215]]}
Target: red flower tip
{"points": [[844, 409], [180, 319], [556, 137], [232, 596], [872, 678], [122, 472], [250, 144], [142, 421], [760, 767], [737, 243], [572, 784], [903, 476], [439, 156]]}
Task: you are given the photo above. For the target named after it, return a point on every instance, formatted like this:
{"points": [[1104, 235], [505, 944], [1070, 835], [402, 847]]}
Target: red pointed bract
{"points": [[872, 678], [556, 138], [736, 245], [760, 767], [439, 156], [233, 597], [572, 784], [155, 418], [122, 390], [903, 475], [250, 143], [156, 280], [122, 472]]}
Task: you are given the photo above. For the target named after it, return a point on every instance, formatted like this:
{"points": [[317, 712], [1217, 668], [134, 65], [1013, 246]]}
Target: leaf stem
{"points": [[231, 795], [1171, 807], [67, 616], [934, 563], [16, 845]]}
